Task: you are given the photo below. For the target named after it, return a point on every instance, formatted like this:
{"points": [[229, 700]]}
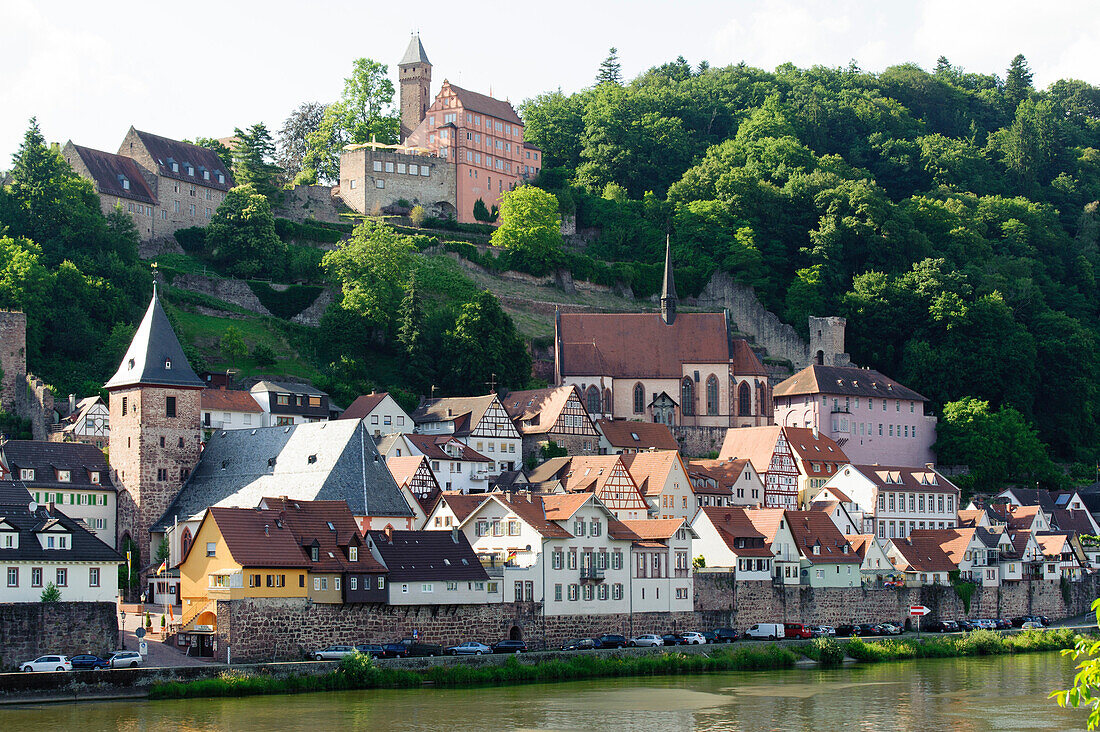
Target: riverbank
{"points": [[359, 672]]}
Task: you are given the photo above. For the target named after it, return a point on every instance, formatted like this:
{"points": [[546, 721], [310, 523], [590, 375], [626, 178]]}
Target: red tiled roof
{"points": [[606, 344], [732, 524], [837, 493], [970, 519], [859, 542], [653, 529], [814, 450], [363, 405], [906, 479], [228, 400], [432, 446], [562, 506], [463, 504], [765, 520], [621, 433], [725, 473], [755, 443], [484, 104], [953, 542], [845, 381], [650, 469], [255, 539], [404, 468], [105, 169], [815, 529], [163, 148], [547, 404], [309, 521], [1052, 544], [923, 554]]}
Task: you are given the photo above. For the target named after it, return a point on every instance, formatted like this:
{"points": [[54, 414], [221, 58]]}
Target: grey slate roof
{"points": [[668, 287], [286, 388], [14, 493], [416, 556], [46, 458], [415, 53], [318, 461], [84, 546], [153, 348]]}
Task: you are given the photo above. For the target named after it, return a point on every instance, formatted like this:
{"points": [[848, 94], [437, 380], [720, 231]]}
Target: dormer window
{"points": [[221, 177], [125, 183], [175, 166], [190, 169], [206, 175], [93, 477], [26, 474], [353, 554], [167, 364], [313, 553], [817, 549], [64, 476]]}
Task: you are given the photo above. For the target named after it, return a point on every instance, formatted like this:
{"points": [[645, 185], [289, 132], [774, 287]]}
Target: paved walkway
{"points": [[160, 653]]}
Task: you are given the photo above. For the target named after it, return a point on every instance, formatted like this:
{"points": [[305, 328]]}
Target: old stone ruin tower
{"points": [[155, 429], [827, 342], [414, 74], [13, 359]]}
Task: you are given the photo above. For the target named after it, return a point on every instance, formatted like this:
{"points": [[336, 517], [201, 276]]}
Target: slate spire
{"points": [[668, 289], [415, 53], [155, 356]]}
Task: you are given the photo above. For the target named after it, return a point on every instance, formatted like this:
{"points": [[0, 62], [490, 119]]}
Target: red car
{"points": [[796, 630]]}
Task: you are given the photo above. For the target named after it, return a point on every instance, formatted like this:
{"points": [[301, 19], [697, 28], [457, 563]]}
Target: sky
{"points": [[90, 70]]}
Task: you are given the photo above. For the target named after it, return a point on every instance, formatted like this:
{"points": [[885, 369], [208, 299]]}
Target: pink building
{"points": [[873, 418]]}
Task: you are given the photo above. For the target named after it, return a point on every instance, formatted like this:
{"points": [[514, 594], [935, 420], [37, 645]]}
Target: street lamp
{"points": [[122, 628]]}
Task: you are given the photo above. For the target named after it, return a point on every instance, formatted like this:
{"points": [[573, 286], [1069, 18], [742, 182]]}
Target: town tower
{"points": [[155, 430], [668, 289], [414, 74]]}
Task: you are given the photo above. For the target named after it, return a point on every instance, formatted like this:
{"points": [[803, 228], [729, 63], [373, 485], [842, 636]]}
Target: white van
{"points": [[766, 631]]}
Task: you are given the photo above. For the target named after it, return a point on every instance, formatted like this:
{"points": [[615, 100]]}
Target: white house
{"points": [[895, 501], [726, 540], [225, 409], [773, 524], [875, 567], [480, 422], [456, 465], [431, 568], [732, 482], [40, 545], [380, 414], [663, 480], [89, 422], [920, 559]]}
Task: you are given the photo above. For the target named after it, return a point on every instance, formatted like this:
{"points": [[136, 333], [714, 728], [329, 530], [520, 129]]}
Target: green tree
{"points": [[1017, 81], [293, 144], [372, 269], [530, 226], [263, 355], [481, 211], [1085, 691], [417, 215], [162, 551], [482, 344], [253, 160], [610, 70], [51, 593], [223, 152], [232, 344], [242, 237]]}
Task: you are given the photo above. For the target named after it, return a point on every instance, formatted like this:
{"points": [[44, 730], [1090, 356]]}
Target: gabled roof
{"points": [[331, 526], [463, 504], [815, 529], [1077, 522], [287, 387], [14, 493], [1052, 543], [474, 102], [766, 520], [46, 458], [465, 412], [1017, 517], [433, 447], [405, 467], [364, 405], [739, 533], [953, 542], [109, 170], [606, 344], [650, 469], [83, 409], [531, 509], [424, 556], [726, 473], [654, 529], [590, 474], [229, 400], [164, 149], [415, 53], [811, 450], [155, 356], [921, 553], [562, 506], [859, 543], [623, 434], [546, 404], [970, 519], [901, 478], [257, 537], [83, 544], [754, 443], [838, 494], [844, 381], [316, 461]]}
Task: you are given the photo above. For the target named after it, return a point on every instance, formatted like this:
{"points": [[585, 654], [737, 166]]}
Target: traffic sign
{"points": [[918, 610], [143, 648], [140, 632]]}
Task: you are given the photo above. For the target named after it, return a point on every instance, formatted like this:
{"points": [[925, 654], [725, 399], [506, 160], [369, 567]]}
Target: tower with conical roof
{"points": [[668, 288], [155, 430], [414, 73]]}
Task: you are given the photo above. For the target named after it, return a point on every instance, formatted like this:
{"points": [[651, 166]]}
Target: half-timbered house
{"points": [[479, 422], [604, 475], [416, 480], [89, 422], [553, 415], [772, 456]]}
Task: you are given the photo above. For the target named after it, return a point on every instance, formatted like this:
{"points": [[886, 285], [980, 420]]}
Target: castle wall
{"points": [[31, 629], [360, 179], [13, 358]]}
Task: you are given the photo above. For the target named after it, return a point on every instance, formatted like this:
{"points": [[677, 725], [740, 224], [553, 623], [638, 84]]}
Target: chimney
{"points": [[388, 531], [815, 430], [49, 508], [72, 403], [930, 466], [454, 535]]}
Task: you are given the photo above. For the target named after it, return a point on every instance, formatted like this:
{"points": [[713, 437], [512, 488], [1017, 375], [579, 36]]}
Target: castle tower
{"points": [[827, 341], [414, 73], [13, 359], [668, 289], [155, 429]]}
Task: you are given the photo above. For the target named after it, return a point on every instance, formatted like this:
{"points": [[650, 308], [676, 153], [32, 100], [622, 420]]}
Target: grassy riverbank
{"points": [[358, 672]]}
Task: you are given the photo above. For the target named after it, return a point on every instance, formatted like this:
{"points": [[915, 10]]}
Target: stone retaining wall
{"points": [[28, 630]]}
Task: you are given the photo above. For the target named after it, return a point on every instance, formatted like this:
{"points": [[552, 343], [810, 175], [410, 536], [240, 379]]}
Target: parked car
{"points": [[509, 646], [1032, 625], [1003, 624], [725, 635], [583, 644], [1044, 620], [371, 649], [796, 630], [952, 626], [673, 639], [88, 662], [939, 626], [612, 640], [869, 629], [333, 653], [890, 629], [770, 631], [848, 629], [124, 659], [822, 631], [408, 647], [47, 663], [646, 640], [469, 648], [965, 625], [691, 638], [985, 624]]}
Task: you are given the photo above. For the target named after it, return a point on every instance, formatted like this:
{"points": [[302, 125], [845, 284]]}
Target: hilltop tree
{"points": [[1018, 81], [253, 160], [529, 226], [219, 148], [372, 269], [242, 237], [610, 70], [482, 343], [293, 138]]}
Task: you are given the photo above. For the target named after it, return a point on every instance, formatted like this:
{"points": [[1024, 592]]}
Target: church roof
{"points": [[607, 344], [155, 356], [415, 53], [668, 288]]}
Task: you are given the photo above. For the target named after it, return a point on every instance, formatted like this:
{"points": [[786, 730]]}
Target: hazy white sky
{"points": [[89, 70]]}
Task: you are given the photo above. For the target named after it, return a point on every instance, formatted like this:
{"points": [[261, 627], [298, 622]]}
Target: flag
{"points": [[171, 614], [162, 568]]}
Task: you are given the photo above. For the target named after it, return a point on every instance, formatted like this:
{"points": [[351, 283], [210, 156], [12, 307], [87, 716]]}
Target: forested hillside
{"points": [[950, 216]]}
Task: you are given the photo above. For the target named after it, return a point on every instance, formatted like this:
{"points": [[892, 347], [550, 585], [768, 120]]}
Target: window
{"points": [[712, 395], [382, 583], [353, 583], [62, 577], [616, 591], [427, 587], [687, 397], [557, 593], [64, 476], [210, 549], [353, 554], [379, 183], [36, 576], [557, 559], [424, 171], [377, 166], [744, 400], [572, 559], [13, 576], [513, 528], [578, 527]]}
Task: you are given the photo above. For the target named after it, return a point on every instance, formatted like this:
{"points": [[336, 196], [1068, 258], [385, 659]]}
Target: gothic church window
{"points": [[712, 395]]}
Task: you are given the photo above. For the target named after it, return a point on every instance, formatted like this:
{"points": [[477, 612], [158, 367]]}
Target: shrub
{"points": [[192, 239], [827, 652], [287, 303], [309, 231]]}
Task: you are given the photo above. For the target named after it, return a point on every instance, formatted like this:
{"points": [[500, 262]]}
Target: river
{"points": [[961, 695]]}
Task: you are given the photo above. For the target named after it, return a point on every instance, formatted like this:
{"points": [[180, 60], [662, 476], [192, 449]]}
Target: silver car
{"points": [[333, 653], [469, 648], [124, 659], [647, 639]]}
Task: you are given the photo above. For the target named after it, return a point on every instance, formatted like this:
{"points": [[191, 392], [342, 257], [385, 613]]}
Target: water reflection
{"points": [[960, 695]]}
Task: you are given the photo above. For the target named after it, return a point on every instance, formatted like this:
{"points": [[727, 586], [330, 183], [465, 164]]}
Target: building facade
{"points": [[552, 415], [770, 452]]}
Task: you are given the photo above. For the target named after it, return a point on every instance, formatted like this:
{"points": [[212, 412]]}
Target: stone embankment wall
{"points": [[310, 202], [721, 601], [266, 629], [699, 441], [13, 357], [237, 292], [29, 630]]}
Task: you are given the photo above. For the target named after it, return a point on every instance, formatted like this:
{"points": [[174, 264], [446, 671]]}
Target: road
{"points": [[160, 654]]}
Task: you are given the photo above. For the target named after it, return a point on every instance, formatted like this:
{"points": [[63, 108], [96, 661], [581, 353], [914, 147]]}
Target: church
{"points": [[678, 369]]}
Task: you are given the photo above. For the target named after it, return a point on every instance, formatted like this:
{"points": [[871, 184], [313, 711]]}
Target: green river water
{"points": [[967, 694]]}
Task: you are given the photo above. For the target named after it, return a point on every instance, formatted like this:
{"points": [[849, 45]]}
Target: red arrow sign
{"points": [[918, 610]]}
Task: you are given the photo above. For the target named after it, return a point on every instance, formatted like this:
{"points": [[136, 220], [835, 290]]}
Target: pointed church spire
{"points": [[155, 356], [668, 289]]}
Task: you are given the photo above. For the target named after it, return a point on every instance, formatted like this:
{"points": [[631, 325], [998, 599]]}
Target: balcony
{"points": [[591, 574]]}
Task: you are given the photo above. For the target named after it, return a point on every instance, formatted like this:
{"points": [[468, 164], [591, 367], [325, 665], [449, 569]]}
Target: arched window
{"points": [[744, 400], [712, 395], [607, 401], [820, 356], [185, 542], [639, 399], [592, 400], [687, 397]]}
